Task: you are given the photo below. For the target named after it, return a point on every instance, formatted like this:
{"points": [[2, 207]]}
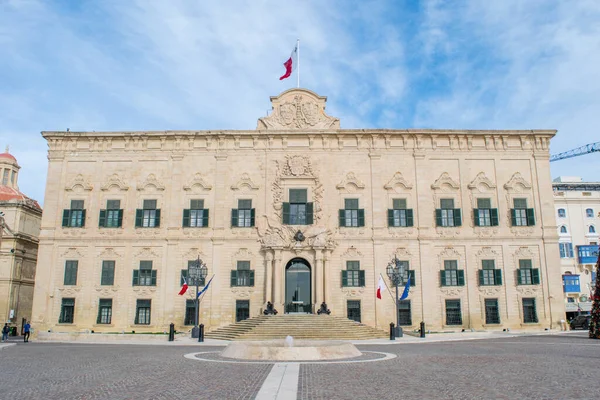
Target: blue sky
{"points": [[153, 65]]}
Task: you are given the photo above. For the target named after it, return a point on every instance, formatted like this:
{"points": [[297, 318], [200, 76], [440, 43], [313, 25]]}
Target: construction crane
{"points": [[579, 151]]}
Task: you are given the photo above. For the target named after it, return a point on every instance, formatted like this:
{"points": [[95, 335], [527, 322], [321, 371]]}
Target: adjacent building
{"points": [[298, 212], [577, 206], [20, 219]]}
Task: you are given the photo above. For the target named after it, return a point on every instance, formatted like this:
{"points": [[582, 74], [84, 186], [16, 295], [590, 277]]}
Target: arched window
{"points": [[592, 229], [589, 213], [563, 229], [562, 213]]}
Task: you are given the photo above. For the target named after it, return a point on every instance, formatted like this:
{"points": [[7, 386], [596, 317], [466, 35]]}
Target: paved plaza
{"points": [[560, 366]]}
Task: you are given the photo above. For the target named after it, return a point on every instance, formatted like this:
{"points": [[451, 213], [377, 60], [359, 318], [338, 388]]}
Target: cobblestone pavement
{"points": [[536, 367]]}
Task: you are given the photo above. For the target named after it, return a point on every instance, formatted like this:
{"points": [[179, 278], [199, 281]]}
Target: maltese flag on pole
{"points": [[184, 288], [291, 64], [380, 287]]}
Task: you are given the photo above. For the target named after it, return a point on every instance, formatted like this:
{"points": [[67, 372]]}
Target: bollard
{"points": [[392, 333], [171, 332], [422, 329], [201, 333]]}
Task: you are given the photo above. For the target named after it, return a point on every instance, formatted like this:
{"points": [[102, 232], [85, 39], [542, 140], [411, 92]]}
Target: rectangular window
{"points": [[484, 203], [149, 205], [104, 311], [298, 196], [447, 215], [108, 273], [521, 215], [145, 276], [526, 274], [142, 312], [453, 313], [113, 215], [353, 276], [243, 216], [571, 284], [489, 275], [404, 313], [67, 311], [71, 272], [447, 203], [566, 250], [190, 312], [399, 204], [450, 275], [148, 216], [484, 214], [196, 204], [75, 216], [353, 307], [12, 177], [5, 176], [351, 215], [529, 311], [492, 314], [298, 211], [399, 215], [244, 276]]}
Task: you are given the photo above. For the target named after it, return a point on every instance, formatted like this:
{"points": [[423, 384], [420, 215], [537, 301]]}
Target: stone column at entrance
{"points": [[277, 281], [268, 276], [326, 277], [319, 276]]}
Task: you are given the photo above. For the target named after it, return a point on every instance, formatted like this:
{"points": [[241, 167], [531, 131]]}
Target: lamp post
{"points": [[197, 271], [397, 271]]}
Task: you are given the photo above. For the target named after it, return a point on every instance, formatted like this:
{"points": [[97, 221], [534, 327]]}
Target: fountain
{"points": [[289, 349]]}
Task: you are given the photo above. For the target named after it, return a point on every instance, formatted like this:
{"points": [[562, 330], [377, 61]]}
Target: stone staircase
{"points": [[300, 326]]}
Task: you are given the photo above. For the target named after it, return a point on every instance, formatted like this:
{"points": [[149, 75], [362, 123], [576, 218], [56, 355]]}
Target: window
{"points": [[298, 211], [243, 275], [489, 275], [404, 313], [492, 314], [529, 311], [562, 213], [570, 299], [71, 272], [142, 312], [75, 216], [571, 284], [591, 229], [104, 311], [67, 311], [566, 250], [589, 213], [196, 216], [112, 217], [353, 276], [450, 275], [399, 215], [526, 275], [453, 314], [243, 216], [190, 312], [447, 215], [5, 177], [145, 276], [563, 229], [12, 177], [484, 214], [351, 215], [108, 273], [521, 215], [148, 216]]}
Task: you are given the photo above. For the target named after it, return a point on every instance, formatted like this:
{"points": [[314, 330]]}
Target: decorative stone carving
{"points": [[481, 180], [142, 291], [486, 231], [109, 254], [106, 291], [451, 291], [350, 183], [522, 231], [146, 253], [75, 232], [489, 291], [351, 292], [242, 292], [517, 183], [194, 253], [151, 181], [298, 109], [402, 253], [445, 182], [245, 182], [196, 183], [73, 253], [114, 181], [110, 232], [447, 232], [400, 232], [80, 182], [149, 232], [528, 290], [450, 253], [351, 254], [67, 291], [273, 234], [397, 181]]}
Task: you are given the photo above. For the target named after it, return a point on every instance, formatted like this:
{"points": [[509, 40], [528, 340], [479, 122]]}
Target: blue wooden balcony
{"points": [[587, 254]]}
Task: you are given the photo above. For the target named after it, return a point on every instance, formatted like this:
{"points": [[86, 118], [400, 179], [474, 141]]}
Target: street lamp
{"points": [[197, 271], [397, 271]]}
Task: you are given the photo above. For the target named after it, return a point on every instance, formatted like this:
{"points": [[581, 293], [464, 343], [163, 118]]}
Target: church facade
{"points": [[298, 212]]}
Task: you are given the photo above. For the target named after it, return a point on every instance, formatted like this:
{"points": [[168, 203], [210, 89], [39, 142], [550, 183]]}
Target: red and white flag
{"points": [[291, 64], [380, 287], [184, 288]]}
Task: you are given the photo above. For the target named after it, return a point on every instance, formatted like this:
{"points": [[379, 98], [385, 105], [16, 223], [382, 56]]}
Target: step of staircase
{"points": [[309, 326]]}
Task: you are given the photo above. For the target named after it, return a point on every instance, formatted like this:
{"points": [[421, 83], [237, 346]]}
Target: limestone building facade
{"points": [[20, 219], [577, 211], [298, 212]]}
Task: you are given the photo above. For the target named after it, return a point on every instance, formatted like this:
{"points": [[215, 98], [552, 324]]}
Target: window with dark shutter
{"points": [[108, 273], [71, 267]]}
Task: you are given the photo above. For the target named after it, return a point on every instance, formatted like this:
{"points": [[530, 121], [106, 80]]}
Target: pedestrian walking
{"points": [[5, 331], [26, 329]]}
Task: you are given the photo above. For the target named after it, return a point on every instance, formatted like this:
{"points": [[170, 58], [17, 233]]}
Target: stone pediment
{"points": [[298, 109]]}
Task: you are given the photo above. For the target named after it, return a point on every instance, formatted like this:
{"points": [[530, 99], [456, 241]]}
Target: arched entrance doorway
{"points": [[297, 286]]}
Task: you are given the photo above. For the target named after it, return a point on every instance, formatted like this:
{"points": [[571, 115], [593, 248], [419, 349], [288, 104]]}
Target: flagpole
{"points": [[298, 72]]}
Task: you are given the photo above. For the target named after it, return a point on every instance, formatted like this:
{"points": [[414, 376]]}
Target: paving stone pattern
{"points": [[535, 367]]}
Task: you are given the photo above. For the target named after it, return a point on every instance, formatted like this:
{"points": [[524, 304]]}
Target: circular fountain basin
{"points": [[279, 350]]}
